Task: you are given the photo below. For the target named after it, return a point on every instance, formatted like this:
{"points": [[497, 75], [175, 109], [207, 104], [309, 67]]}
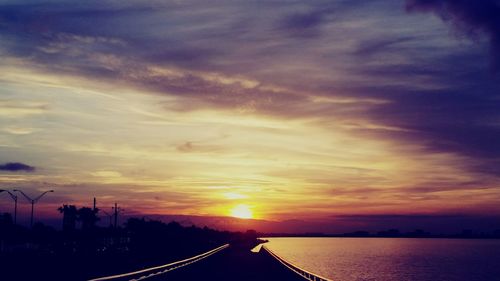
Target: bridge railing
{"points": [[157, 270], [300, 271]]}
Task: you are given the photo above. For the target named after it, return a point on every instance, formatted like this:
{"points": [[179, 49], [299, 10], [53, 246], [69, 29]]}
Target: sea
{"points": [[393, 259]]}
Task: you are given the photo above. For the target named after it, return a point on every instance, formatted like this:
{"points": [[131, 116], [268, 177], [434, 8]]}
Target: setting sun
{"points": [[241, 211]]}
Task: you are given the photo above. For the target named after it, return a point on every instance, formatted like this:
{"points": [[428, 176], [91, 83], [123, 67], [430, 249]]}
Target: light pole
{"points": [[14, 197], [33, 201]]}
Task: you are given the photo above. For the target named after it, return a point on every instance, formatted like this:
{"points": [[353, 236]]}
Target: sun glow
{"points": [[241, 211], [234, 195]]}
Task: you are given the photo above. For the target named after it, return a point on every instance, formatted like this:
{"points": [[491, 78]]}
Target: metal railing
{"points": [[300, 271], [157, 270]]}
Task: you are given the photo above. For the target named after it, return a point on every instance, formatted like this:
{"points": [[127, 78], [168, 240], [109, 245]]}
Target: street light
{"points": [[14, 197], [33, 201]]}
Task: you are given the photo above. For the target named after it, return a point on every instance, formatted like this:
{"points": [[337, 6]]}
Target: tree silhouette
{"points": [[88, 217], [69, 216]]}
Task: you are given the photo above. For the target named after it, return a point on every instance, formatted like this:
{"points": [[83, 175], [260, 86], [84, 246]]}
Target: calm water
{"points": [[387, 259]]}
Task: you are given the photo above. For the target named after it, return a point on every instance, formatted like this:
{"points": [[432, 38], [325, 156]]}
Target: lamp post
{"points": [[33, 201], [14, 197]]}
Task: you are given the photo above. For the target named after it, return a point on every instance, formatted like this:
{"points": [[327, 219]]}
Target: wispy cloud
{"points": [[15, 109], [472, 18], [340, 100]]}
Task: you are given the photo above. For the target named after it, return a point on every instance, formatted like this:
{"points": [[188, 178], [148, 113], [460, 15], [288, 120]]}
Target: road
{"points": [[233, 264]]}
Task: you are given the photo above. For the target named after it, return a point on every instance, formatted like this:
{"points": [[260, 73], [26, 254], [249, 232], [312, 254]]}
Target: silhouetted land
{"points": [[394, 233], [43, 253], [80, 254]]}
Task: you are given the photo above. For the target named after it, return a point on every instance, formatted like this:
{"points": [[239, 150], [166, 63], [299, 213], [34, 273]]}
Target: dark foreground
{"points": [[77, 254], [43, 253], [233, 263]]}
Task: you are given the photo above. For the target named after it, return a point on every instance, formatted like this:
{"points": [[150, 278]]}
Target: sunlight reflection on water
{"points": [[393, 259]]}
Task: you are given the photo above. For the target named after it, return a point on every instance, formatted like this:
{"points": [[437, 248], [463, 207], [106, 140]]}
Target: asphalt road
{"points": [[233, 264]]}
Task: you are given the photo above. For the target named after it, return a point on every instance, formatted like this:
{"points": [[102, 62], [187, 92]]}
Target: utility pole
{"points": [[116, 211], [110, 216], [94, 204], [116, 214]]}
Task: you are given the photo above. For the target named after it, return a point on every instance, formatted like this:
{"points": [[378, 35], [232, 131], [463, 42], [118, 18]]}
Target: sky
{"points": [[348, 113]]}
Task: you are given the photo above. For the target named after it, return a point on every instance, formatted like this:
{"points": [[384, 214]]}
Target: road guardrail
{"points": [[158, 270], [300, 271]]}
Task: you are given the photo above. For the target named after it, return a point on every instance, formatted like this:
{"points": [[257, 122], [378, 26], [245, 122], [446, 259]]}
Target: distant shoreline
{"points": [[431, 236]]}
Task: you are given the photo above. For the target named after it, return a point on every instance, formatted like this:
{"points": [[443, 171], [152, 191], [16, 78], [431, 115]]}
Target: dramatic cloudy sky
{"points": [[308, 110]]}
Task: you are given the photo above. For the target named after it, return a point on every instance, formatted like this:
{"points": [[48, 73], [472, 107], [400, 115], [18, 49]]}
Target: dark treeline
{"points": [[89, 251]]}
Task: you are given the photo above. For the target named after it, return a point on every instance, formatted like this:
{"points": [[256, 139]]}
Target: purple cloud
{"points": [[440, 94], [16, 167], [472, 17]]}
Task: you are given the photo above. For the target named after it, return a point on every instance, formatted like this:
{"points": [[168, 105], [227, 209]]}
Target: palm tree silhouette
{"points": [[88, 217], [69, 216]]}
